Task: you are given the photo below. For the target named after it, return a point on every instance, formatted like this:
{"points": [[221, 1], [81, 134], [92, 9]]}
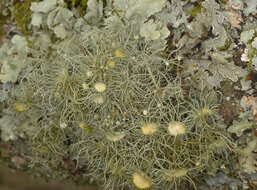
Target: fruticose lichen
{"points": [[55, 101], [106, 96]]}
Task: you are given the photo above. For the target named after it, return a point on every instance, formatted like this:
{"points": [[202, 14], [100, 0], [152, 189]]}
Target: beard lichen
{"points": [[107, 128], [117, 119]]}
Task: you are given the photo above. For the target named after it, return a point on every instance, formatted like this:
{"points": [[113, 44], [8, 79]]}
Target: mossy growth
{"points": [[3, 20], [196, 10], [80, 5], [22, 15], [251, 56]]}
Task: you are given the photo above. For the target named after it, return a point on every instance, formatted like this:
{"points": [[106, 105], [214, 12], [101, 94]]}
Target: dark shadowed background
{"points": [[10, 180]]}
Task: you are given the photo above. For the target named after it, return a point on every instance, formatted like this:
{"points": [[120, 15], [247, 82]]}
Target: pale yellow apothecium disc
{"points": [[141, 180], [176, 128], [120, 53], [111, 64], [149, 128], [100, 87], [20, 107]]}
